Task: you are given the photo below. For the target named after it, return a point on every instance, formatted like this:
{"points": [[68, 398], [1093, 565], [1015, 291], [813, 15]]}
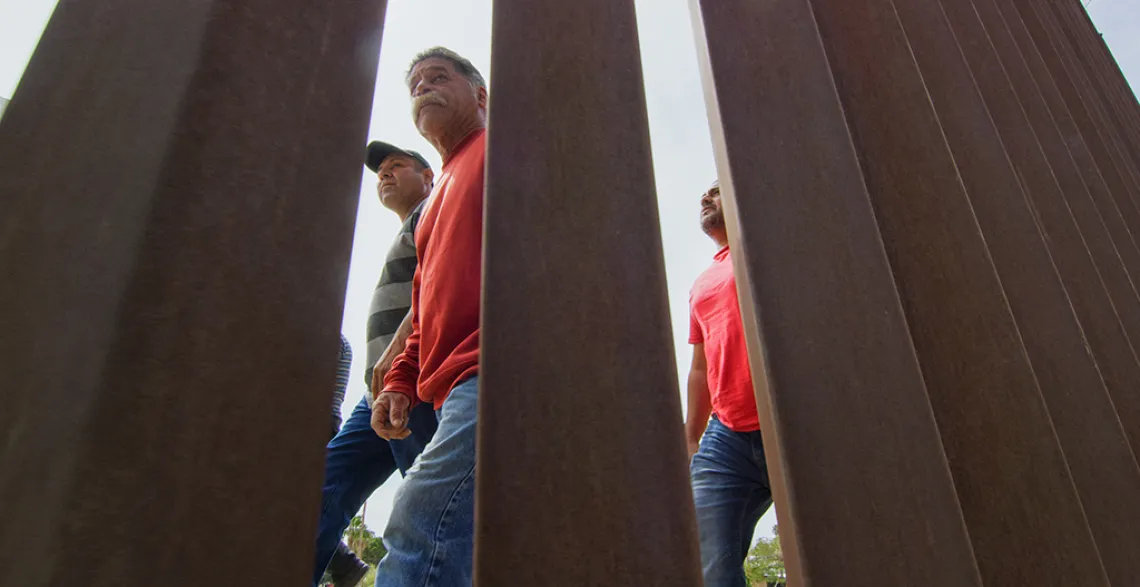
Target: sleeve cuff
{"points": [[404, 389]]}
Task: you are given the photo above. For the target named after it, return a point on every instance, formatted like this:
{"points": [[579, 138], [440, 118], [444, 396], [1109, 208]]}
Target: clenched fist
{"points": [[390, 415]]}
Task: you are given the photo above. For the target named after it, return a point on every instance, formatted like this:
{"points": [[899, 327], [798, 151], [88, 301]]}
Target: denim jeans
{"points": [[429, 536], [358, 461], [731, 492]]}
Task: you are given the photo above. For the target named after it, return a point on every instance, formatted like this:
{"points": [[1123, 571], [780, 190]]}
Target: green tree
{"points": [[374, 551], [764, 565], [357, 534], [368, 546]]}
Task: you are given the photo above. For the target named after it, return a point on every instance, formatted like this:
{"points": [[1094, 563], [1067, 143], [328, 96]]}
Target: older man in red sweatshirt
{"points": [[429, 536]]}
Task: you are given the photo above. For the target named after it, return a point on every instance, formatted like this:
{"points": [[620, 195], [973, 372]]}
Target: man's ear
{"points": [[429, 176], [481, 97]]}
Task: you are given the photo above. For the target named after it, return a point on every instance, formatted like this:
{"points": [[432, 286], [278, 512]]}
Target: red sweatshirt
{"points": [[443, 348]]}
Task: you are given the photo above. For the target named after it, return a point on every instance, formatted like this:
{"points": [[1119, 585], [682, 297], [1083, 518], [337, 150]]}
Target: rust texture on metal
{"points": [[1072, 20], [1126, 190], [1078, 243], [581, 476], [178, 186], [1109, 62], [1101, 175], [1071, 163], [847, 424], [1098, 104], [1097, 450], [1111, 70], [1039, 98], [1096, 228], [980, 383]]}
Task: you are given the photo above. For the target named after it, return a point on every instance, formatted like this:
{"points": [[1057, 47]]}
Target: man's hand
{"points": [[693, 446], [390, 415], [388, 357], [383, 365]]}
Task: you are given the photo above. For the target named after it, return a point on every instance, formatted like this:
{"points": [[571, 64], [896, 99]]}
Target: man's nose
{"points": [[422, 87]]}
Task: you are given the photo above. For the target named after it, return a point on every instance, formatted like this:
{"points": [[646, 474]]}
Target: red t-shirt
{"points": [[714, 319], [443, 348]]}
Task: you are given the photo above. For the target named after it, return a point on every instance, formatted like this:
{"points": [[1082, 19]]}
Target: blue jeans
{"points": [[429, 536], [731, 492], [358, 461]]}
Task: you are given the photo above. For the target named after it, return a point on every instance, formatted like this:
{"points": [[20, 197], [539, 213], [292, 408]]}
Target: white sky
{"points": [[678, 126]]}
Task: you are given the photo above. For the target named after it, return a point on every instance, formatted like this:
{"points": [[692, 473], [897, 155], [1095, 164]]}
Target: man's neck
{"points": [[406, 212], [447, 143]]}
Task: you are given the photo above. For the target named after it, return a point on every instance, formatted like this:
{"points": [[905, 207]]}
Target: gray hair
{"points": [[462, 65]]}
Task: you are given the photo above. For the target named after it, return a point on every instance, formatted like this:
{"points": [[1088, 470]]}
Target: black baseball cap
{"points": [[378, 151]]}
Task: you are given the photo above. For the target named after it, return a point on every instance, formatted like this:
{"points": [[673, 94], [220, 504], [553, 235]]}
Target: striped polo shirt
{"points": [[392, 298], [344, 365]]}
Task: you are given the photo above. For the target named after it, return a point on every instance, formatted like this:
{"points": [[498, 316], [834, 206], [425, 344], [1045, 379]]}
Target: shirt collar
{"points": [[463, 144]]}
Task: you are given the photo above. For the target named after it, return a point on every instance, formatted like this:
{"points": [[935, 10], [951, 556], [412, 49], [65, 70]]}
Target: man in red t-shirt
{"points": [[728, 469], [430, 533]]}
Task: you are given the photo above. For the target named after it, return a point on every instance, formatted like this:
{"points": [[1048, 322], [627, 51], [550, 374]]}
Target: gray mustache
{"points": [[426, 99]]}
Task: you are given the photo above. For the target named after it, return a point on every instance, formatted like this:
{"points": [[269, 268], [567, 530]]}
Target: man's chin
{"points": [[431, 123], [712, 223]]}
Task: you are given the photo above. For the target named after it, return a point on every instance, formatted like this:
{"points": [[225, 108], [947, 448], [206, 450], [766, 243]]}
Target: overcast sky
{"points": [[677, 119]]}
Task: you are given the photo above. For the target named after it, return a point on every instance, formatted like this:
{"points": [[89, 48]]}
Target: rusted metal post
{"points": [[1103, 102], [981, 386], [1107, 181], [1127, 194], [995, 156], [1072, 165], [860, 481], [1112, 69], [581, 475], [1109, 84], [178, 185], [1041, 101]]}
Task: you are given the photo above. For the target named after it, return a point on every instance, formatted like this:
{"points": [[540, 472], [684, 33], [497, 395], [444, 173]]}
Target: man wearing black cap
{"points": [[358, 460]]}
